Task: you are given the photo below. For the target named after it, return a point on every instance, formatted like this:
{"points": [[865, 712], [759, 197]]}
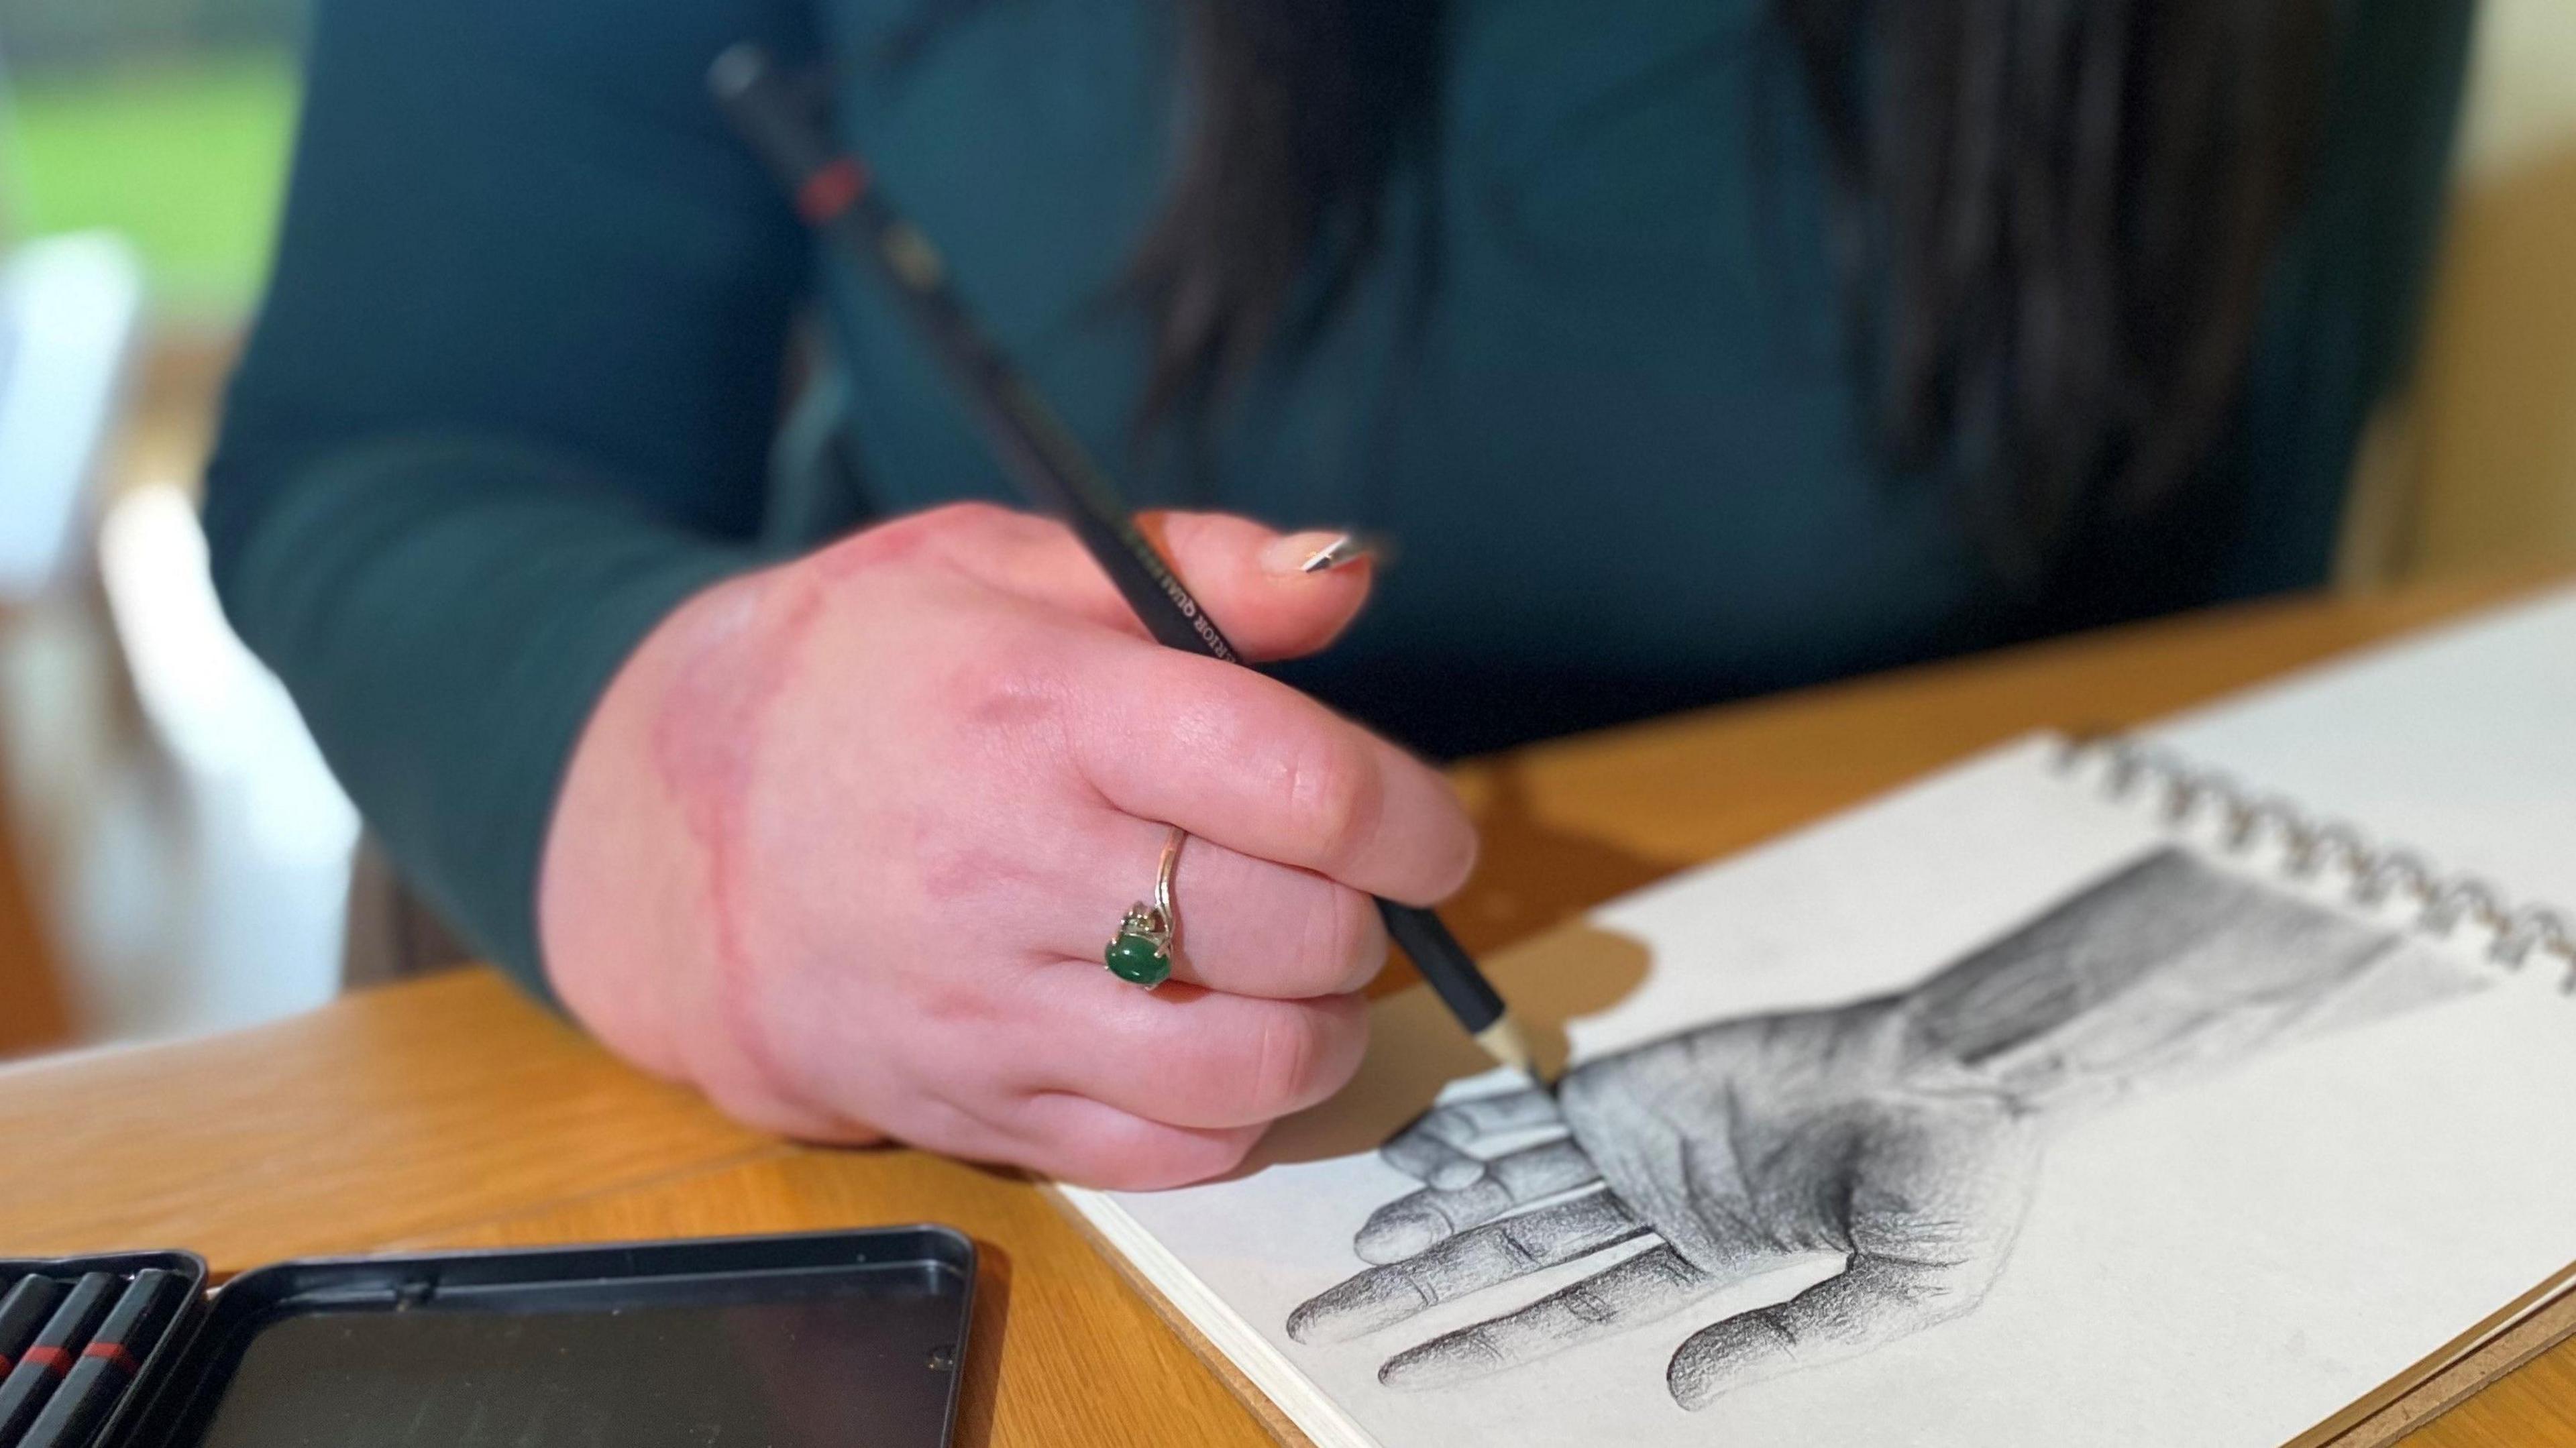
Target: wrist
{"points": [[621, 891], [2028, 1074]]}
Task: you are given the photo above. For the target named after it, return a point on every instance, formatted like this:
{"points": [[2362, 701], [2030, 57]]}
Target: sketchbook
{"points": [[2113, 1093]]}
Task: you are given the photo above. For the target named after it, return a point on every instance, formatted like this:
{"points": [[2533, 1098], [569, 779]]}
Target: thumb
{"points": [[1252, 582]]}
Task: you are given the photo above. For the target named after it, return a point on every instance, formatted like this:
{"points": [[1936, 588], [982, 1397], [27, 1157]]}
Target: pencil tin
{"points": [[816, 1340]]}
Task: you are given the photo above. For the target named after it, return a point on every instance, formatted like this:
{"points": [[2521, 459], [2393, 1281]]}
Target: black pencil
{"points": [[108, 1365], [30, 1301], [835, 195], [44, 1363]]}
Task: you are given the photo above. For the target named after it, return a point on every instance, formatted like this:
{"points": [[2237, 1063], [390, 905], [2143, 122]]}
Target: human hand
{"points": [[1742, 1146], [843, 841]]}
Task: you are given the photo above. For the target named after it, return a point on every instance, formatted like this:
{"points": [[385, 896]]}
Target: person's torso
{"points": [[1615, 443]]}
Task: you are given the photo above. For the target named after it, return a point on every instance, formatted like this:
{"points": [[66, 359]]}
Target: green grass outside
{"points": [[186, 159]]}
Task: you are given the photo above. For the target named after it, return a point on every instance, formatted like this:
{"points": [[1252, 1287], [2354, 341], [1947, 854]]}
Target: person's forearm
{"points": [[2172, 964], [446, 611]]}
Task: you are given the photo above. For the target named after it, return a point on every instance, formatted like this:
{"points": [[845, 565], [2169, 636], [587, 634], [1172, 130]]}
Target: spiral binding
{"points": [[2314, 848]]}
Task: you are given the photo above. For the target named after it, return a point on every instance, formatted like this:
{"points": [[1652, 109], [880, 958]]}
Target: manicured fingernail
{"points": [[1313, 553], [1348, 549]]}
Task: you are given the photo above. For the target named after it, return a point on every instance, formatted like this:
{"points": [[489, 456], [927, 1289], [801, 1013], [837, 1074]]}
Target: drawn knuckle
{"points": [[1478, 1343], [1586, 1304], [1417, 1274], [1777, 1323], [1520, 1245]]}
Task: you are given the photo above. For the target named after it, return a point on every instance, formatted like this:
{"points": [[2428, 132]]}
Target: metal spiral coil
{"points": [[2312, 847]]}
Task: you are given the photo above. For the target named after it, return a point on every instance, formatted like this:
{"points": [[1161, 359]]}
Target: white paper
{"points": [[2460, 743], [2222, 1260]]}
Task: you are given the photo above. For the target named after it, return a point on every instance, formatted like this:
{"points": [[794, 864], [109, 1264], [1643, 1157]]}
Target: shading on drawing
{"points": [[1902, 1132]]}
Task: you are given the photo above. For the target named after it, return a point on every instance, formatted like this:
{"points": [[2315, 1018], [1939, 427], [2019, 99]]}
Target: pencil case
{"points": [[796, 1341]]}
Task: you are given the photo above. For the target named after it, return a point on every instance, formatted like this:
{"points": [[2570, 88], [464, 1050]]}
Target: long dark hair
{"points": [[2054, 219]]}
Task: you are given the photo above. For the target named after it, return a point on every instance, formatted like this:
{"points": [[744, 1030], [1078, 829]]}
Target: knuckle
{"points": [[955, 1002], [1216, 1153], [1009, 687], [910, 536], [1462, 863], [1287, 1051], [1349, 941], [1332, 798], [937, 1124], [1303, 1053], [1151, 1158], [970, 516]]}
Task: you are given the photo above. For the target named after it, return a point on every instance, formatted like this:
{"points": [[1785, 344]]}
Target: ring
{"points": [[1141, 951]]}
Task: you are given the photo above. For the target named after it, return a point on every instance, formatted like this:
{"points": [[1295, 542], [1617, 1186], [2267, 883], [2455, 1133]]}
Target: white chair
{"points": [[70, 308], [200, 848]]}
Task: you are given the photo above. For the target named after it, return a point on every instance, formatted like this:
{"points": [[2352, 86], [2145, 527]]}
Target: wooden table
{"points": [[33, 1014], [448, 1113]]}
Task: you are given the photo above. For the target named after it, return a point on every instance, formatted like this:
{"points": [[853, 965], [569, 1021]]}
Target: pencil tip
{"points": [[1507, 1043]]}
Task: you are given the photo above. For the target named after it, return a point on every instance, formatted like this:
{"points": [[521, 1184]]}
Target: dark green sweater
{"points": [[514, 388]]}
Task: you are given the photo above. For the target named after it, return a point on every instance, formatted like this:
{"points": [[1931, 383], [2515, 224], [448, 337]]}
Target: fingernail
{"points": [[1312, 1322], [1399, 1230], [1458, 1175], [1714, 1359], [1359, 1306], [1413, 1371], [1316, 552], [1456, 1358]]}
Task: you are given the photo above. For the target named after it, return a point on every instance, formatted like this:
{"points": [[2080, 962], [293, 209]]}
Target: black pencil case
{"points": [[815, 1340]]}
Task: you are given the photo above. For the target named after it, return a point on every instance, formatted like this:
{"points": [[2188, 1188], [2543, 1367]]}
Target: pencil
{"points": [[835, 195], [43, 1364], [23, 1311], [108, 1365]]}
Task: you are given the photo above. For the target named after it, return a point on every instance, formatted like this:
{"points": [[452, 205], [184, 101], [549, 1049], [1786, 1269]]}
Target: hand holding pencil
{"points": [[837, 196], [844, 841]]}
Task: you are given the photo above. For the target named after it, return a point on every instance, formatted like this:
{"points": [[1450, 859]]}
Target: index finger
{"points": [[1251, 764]]}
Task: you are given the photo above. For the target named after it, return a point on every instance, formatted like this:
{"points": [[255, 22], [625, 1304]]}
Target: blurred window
{"points": [[166, 121]]}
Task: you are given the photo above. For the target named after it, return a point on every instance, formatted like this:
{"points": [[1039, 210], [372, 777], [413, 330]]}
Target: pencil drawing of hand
{"points": [[1742, 1146], [1901, 1133]]}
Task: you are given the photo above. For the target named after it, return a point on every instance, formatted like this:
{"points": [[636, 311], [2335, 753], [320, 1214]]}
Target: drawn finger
{"points": [[1413, 1224], [1468, 1262], [1439, 1148], [1426, 1158], [1646, 1287], [1874, 1302], [1466, 1123]]}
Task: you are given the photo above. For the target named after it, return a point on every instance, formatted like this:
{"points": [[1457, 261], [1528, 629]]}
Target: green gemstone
{"points": [[1134, 957]]}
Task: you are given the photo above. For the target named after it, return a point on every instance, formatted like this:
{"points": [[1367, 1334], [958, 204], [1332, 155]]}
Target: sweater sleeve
{"points": [[507, 403]]}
